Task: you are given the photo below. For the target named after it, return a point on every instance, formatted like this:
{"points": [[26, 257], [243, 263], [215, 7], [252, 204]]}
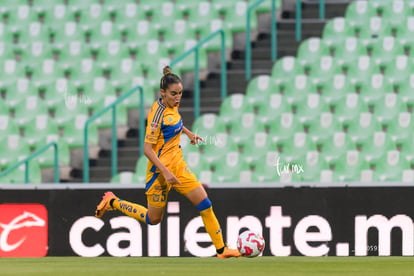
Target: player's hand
{"points": [[195, 139], [170, 178]]}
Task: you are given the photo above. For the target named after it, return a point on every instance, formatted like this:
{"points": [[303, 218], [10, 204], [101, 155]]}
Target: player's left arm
{"points": [[194, 138]]}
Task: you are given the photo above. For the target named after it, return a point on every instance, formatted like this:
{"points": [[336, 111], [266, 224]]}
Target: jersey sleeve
{"points": [[153, 130]]}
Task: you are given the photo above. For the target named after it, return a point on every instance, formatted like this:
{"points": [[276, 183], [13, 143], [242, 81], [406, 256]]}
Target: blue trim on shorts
{"points": [[204, 204], [147, 219], [151, 181]]}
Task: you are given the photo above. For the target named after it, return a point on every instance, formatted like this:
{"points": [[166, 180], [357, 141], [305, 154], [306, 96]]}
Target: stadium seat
{"points": [[404, 32], [395, 12], [255, 151], [294, 150], [385, 50], [322, 127], [12, 147], [138, 33], [207, 125], [349, 166], [46, 74], [258, 89], [400, 128], [311, 50], [46, 159], [399, 69], [56, 15], [362, 69], [151, 52], [235, 17], [10, 71], [350, 110], [335, 89], [309, 107], [349, 51], [376, 146], [388, 108], [265, 170], [335, 31], [8, 126], [391, 167], [324, 69], [91, 16], [18, 91], [163, 16], [336, 146], [104, 32], [150, 6], [374, 88], [272, 108], [286, 68], [312, 168], [216, 147], [20, 15], [111, 52], [187, 64], [105, 121], [361, 129], [73, 132], [285, 128], [228, 168], [124, 178], [249, 124], [196, 162], [141, 169], [27, 109], [180, 33], [60, 90], [87, 70], [214, 44], [201, 14], [371, 29], [39, 128], [298, 88], [233, 107], [405, 88], [35, 176]]}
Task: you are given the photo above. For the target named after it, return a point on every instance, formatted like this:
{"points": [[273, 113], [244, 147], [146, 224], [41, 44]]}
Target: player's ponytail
{"points": [[168, 78]]}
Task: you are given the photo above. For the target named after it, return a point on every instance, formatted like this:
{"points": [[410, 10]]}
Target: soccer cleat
{"points": [[229, 253], [105, 205]]}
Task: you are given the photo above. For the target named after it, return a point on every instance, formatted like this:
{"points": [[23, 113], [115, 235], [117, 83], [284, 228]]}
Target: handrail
{"points": [[114, 153], [273, 41], [33, 155], [298, 22], [223, 80]]}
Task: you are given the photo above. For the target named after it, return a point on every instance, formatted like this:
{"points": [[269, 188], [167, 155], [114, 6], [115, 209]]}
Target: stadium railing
{"points": [[298, 26], [114, 146], [223, 72], [273, 47], [33, 155]]}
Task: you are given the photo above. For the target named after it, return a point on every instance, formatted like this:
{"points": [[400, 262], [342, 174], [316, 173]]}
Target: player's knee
{"points": [[153, 220], [204, 204]]}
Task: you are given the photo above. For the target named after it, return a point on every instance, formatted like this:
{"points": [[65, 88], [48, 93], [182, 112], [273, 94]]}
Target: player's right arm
{"points": [[150, 154]]}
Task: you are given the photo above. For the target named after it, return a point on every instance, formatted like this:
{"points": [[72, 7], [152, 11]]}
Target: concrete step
{"points": [[314, 26], [124, 152], [255, 63], [122, 162]]}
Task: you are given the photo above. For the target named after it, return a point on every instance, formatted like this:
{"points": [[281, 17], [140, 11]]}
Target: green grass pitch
{"points": [[280, 266]]}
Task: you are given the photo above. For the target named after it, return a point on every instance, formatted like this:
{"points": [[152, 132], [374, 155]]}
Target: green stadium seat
{"points": [[313, 167], [141, 169], [150, 6], [73, 132], [104, 32], [77, 5], [349, 110], [39, 128], [124, 178], [391, 167], [298, 88], [336, 146], [27, 109], [46, 159], [259, 89], [222, 7], [294, 149], [68, 35], [105, 121], [138, 33], [201, 14], [395, 12], [164, 15], [132, 102], [406, 147], [187, 64], [349, 166], [34, 54], [286, 68], [274, 106], [126, 12], [405, 32], [21, 15], [322, 127], [400, 128], [46, 74], [285, 128], [196, 162], [371, 29], [374, 88], [174, 39], [8, 126], [309, 107], [151, 52], [385, 50], [235, 17], [362, 69], [91, 16], [386, 109], [111, 52], [210, 27], [208, 124], [405, 88], [227, 169], [335, 89], [122, 71], [249, 124], [12, 146], [233, 107], [67, 109], [257, 148], [324, 68], [216, 147], [265, 6], [18, 91], [335, 31], [358, 11], [11, 71], [376, 146], [7, 49], [35, 175], [360, 130], [311, 50], [349, 51], [35, 32], [265, 170], [8, 7], [399, 69], [87, 70], [56, 15]]}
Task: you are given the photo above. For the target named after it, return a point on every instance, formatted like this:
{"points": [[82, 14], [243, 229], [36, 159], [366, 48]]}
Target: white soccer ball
{"points": [[250, 244]]}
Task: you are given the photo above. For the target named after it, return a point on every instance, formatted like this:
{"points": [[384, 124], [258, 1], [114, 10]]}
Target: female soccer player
{"points": [[167, 168]]}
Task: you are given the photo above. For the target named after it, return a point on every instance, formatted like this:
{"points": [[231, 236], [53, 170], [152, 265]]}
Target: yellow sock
{"points": [[130, 209], [212, 227]]}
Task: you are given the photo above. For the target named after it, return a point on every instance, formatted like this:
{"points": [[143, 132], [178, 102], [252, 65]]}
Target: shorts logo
{"points": [[23, 230]]}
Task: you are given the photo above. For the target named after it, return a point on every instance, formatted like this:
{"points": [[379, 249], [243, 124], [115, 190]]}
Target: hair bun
{"points": [[166, 70]]}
